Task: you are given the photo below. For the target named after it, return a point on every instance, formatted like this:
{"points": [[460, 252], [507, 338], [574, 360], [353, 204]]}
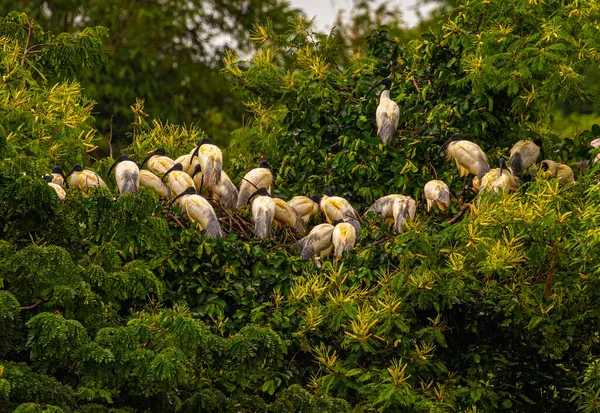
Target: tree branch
{"points": [[26, 51], [31, 307]]}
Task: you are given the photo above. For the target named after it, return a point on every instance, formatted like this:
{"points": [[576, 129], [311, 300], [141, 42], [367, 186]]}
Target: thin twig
{"points": [[110, 148], [31, 307], [463, 208], [26, 51], [176, 220], [241, 228]]}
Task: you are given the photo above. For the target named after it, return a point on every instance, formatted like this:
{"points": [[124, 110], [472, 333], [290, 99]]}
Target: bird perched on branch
{"points": [[337, 208], [148, 179], [178, 181], [286, 215], [523, 156], [395, 209], [211, 162], [81, 178], [305, 206], [437, 193], [317, 242], [467, 155], [499, 179], [263, 212], [200, 211], [158, 162], [127, 175], [57, 188], [387, 114], [343, 238], [257, 178]]}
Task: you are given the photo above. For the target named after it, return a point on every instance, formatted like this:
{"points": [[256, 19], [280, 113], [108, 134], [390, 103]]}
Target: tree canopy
{"points": [[112, 304]]}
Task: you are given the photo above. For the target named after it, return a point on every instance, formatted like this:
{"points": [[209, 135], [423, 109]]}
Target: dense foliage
{"points": [[112, 305]]}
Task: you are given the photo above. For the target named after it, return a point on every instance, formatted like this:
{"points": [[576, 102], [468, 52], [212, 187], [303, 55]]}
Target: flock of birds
{"points": [[194, 179]]}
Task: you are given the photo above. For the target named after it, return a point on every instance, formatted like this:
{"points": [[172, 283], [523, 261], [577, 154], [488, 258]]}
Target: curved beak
{"points": [[176, 167], [197, 170], [374, 86], [501, 165], [189, 191], [195, 153], [151, 154]]}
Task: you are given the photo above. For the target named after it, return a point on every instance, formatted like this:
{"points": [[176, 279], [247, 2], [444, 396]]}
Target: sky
{"points": [[326, 10]]}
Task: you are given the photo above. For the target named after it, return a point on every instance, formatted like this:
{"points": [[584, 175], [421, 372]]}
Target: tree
{"points": [[116, 305], [167, 53]]}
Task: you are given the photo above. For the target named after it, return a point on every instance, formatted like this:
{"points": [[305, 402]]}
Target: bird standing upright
{"points": [[127, 175], [387, 114], [263, 212], [211, 162]]}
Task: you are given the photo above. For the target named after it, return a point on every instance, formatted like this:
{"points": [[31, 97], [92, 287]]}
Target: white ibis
{"points": [[57, 188], [286, 215], [395, 209], [523, 155], [388, 113], [257, 178], [157, 162], [127, 175], [437, 194], [58, 176], [81, 178], [337, 208], [178, 181], [148, 179], [211, 162], [200, 211], [317, 242], [305, 206], [343, 238], [499, 179], [263, 212]]}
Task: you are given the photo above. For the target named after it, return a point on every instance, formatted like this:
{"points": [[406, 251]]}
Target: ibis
{"points": [[178, 181], [263, 212], [343, 238], [499, 179], [558, 170], [81, 178], [437, 194], [286, 215], [148, 179], [57, 188], [596, 144], [158, 162], [58, 176], [395, 209], [387, 114], [523, 156], [200, 211], [211, 162], [468, 156], [317, 242], [127, 175], [305, 206], [335, 207], [198, 178], [257, 178]]}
